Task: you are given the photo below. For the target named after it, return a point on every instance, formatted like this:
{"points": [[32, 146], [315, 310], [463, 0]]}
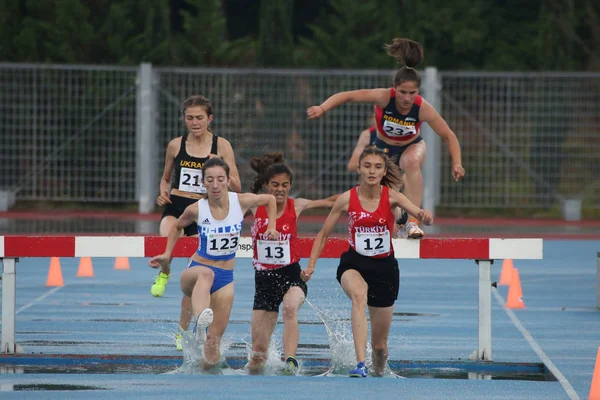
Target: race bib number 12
{"points": [[372, 243]]}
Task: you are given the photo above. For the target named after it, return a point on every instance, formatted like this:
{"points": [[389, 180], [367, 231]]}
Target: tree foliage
{"points": [[462, 34]]}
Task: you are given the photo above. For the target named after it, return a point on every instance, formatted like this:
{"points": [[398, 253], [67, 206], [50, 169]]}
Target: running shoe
{"points": [[202, 323], [361, 371], [160, 284], [413, 231], [291, 366], [178, 342]]}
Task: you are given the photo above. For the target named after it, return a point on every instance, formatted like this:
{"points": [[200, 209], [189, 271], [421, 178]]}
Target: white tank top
{"points": [[218, 239]]}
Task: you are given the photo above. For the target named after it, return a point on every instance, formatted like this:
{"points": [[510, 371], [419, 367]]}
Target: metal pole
{"points": [[484, 351], [9, 298], [431, 176], [146, 144]]}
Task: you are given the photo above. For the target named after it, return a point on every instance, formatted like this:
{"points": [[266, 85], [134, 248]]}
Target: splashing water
{"points": [[340, 338], [273, 363], [341, 343], [193, 353]]}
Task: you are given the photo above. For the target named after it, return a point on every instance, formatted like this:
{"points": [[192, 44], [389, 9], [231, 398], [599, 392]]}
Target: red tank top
{"points": [[370, 233], [273, 254], [396, 126]]}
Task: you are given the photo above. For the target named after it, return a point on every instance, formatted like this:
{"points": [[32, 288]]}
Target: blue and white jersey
{"points": [[218, 239]]}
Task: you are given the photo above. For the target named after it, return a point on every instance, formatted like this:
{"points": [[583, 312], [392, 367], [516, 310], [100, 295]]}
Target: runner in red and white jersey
{"points": [[368, 271], [277, 271]]}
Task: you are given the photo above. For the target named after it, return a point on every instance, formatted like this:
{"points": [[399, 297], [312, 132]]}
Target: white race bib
{"points": [[372, 243], [222, 244], [273, 252], [190, 180], [394, 129]]}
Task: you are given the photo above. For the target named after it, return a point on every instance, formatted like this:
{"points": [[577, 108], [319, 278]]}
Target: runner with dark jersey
{"points": [[181, 182], [400, 110], [368, 272], [187, 177], [397, 127]]}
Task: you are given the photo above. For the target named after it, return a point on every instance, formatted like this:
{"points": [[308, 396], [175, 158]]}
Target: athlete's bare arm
{"points": [[166, 179], [340, 206], [380, 97], [226, 151], [301, 205], [363, 141], [397, 199], [428, 114]]}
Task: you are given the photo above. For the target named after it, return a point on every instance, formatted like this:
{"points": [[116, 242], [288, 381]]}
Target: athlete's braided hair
{"points": [[393, 175], [266, 167]]}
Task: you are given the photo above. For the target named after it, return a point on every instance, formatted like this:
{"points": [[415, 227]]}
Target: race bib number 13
{"points": [[273, 252], [372, 244]]}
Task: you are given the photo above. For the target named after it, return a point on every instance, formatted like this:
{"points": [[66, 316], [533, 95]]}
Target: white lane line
{"points": [[538, 350], [42, 297]]}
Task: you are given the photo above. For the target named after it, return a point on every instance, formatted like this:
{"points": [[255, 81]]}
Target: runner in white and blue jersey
{"points": [[208, 279]]}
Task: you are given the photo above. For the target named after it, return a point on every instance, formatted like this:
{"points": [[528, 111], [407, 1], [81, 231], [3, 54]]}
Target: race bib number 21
{"points": [[190, 180]]}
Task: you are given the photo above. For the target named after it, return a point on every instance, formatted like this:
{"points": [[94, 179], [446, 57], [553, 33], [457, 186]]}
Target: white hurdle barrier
{"points": [[484, 251]]}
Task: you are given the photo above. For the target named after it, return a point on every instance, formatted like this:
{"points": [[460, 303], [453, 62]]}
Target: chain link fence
{"points": [[68, 133], [528, 140]]}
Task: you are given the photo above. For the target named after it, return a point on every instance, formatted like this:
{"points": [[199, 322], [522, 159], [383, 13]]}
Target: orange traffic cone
{"points": [[595, 389], [85, 268], [122, 263], [515, 294], [54, 273], [506, 273]]}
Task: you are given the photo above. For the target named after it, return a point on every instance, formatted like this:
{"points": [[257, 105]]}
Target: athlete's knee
{"points": [[410, 163], [289, 311], [359, 297], [205, 274], [380, 348]]}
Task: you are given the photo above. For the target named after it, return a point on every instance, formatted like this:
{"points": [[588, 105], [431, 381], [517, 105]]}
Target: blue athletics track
{"points": [[106, 337]]}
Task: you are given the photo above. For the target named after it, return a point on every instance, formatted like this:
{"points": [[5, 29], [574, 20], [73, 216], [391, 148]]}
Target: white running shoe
{"points": [[413, 231], [202, 323]]}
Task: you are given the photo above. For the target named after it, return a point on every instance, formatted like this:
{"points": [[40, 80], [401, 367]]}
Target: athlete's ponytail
{"points": [[409, 54], [266, 167]]}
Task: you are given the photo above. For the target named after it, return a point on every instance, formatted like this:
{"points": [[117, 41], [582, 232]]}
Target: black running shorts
{"points": [[381, 275], [176, 208], [271, 285]]}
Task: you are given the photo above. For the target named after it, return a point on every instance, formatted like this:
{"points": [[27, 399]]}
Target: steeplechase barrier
{"points": [[483, 250]]}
